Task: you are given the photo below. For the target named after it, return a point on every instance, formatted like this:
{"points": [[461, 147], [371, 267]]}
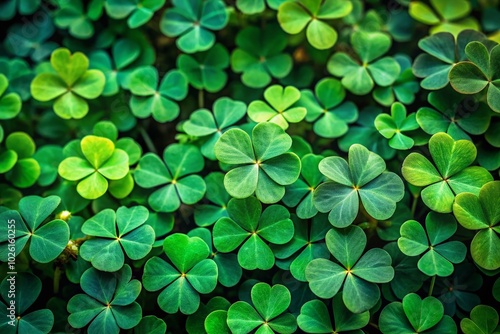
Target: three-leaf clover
{"points": [[393, 126], [247, 226], [173, 175], [359, 77], [139, 12], [279, 110], [438, 253], [267, 314], [27, 288], [481, 212], [47, 239], [416, 315], [483, 319], [330, 116], [449, 175], [18, 162], [210, 126], [480, 73], [260, 56], [194, 22], [108, 303], [114, 234], [77, 16], [95, 161], [294, 16], [191, 274], [261, 163], [149, 98], [357, 273], [71, 85], [363, 178]]}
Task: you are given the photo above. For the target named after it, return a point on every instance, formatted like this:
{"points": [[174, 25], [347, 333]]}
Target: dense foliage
{"points": [[249, 166]]}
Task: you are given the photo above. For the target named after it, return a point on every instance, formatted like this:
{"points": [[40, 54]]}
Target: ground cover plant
{"points": [[249, 166]]}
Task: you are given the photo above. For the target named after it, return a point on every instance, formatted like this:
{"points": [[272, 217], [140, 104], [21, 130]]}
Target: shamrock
{"points": [[315, 318], [448, 18], [149, 98], [19, 76], [17, 161], [268, 312], [10, 103], [359, 78], [9, 8], [14, 316], [363, 177], [48, 157], [195, 323], [260, 56], [481, 71], [114, 234], [416, 315], [48, 239], [206, 70], [248, 225], [93, 162], [480, 212], [261, 163], [73, 15], [191, 274], [208, 214], [450, 176], [72, 84], [454, 114], [294, 16], [330, 117], [392, 127], [210, 126], [194, 21], [439, 255], [357, 273], [483, 319], [279, 111], [172, 174], [138, 12], [108, 302]]}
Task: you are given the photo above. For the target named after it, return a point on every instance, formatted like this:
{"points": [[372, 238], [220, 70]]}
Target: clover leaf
{"points": [[480, 212], [108, 303], [483, 319], [71, 86], [208, 214], [363, 178], [294, 16], [206, 70], [357, 273], [115, 234], [444, 18], [48, 239], [19, 76], [438, 256], [149, 98], [27, 288], [96, 161], [247, 226], [359, 77], [210, 126], [330, 116], [48, 157], [77, 16], [279, 110], [257, 6], [416, 315], [152, 325], [191, 274], [195, 323], [308, 243], [454, 114], [260, 56], [9, 8], [392, 127], [194, 22], [17, 161], [450, 174], [138, 12], [442, 53], [300, 193], [261, 163], [481, 71], [267, 314], [173, 177], [315, 318]]}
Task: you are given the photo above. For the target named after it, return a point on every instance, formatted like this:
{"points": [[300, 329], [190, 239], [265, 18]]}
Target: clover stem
{"points": [[414, 205], [372, 221], [201, 99], [433, 280], [147, 140], [57, 279], [373, 324]]}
